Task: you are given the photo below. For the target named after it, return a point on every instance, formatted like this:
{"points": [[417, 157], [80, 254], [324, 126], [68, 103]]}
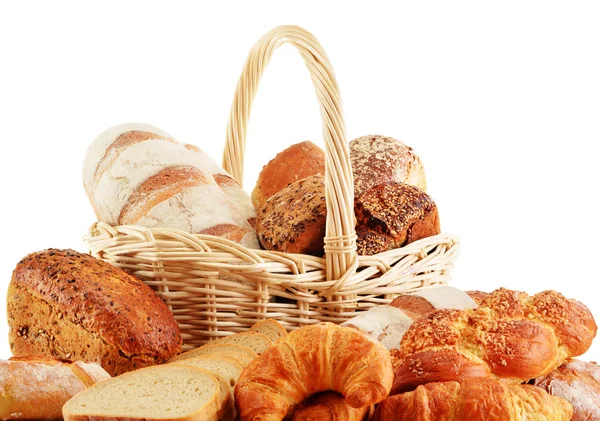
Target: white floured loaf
{"points": [[228, 184], [33, 388], [138, 174]]}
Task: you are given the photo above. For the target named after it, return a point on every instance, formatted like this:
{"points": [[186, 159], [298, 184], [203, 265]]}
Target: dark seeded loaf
{"points": [[69, 305], [392, 215]]}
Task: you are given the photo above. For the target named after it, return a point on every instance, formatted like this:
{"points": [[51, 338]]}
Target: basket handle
{"points": [[340, 239]]}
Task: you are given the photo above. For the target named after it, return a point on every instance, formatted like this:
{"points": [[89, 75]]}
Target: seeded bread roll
{"points": [[293, 220], [378, 159], [292, 164], [392, 215]]}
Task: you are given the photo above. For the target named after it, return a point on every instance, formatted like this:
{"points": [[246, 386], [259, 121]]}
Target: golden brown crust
{"points": [[510, 336], [293, 220], [158, 188], [314, 359], [474, 400], [379, 159], [392, 215], [328, 406], [290, 165], [579, 383], [66, 304], [34, 387]]}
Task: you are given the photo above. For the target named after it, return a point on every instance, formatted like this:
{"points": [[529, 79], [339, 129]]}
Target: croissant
{"points": [[475, 400], [309, 360], [511, 336], [328, 406]]}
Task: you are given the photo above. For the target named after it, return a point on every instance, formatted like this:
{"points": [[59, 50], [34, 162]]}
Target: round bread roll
{"points": [[392, 215], [293, 220], [292, 164], [378, 159]]}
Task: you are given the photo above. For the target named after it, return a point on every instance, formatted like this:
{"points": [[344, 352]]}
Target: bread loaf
{"points": [[309, 360], [510, 336], [290, 165], [69, 305], [379, 159], [388, 323], [167, 392], [474, 400], [293, 220], [227, 183], [36, 388], [579, 383], [138, 174], [392, 215]]}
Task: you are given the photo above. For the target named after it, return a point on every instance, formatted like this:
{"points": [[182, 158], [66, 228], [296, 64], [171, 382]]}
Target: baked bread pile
{"points": [[391, 206]]}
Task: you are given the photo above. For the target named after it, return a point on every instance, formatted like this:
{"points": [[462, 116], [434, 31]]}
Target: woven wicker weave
{"points": [[216, 287]]}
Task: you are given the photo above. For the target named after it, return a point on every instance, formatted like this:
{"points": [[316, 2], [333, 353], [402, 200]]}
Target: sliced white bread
{"points": [[270, 328], [167, 392], [226, 404], [227, 370], [245, 354], [257, 342]]}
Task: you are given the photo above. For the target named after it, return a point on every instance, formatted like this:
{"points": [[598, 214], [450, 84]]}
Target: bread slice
{"points": [[243, 353], [270, 328], [173, 392], [226, 401], [227, 370], [257, 342]]}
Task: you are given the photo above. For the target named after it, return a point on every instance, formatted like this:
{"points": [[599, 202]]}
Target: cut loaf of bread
{"points": [[270, 328], [167, 392], [242, 353]]}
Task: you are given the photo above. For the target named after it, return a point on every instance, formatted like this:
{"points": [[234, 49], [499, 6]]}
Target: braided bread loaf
{"points": [[511, 336], [474, 400]]}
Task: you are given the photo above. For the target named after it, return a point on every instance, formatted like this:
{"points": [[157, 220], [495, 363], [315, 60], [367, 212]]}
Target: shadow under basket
{"points": [[216, 287]]}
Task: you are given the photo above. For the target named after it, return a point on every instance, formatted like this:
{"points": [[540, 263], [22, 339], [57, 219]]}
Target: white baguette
{"points": [[37, 388]]}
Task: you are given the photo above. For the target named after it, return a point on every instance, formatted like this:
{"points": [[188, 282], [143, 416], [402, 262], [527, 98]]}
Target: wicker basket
{"points": [[216, 287]]}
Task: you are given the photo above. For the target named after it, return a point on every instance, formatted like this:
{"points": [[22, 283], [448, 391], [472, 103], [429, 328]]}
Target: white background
{"points": [[501, 101]]}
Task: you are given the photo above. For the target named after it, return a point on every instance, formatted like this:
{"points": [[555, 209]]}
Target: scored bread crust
{"points": [[38, 387], [69, 305], [511, 336], [474, 400], [579, 383]]}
